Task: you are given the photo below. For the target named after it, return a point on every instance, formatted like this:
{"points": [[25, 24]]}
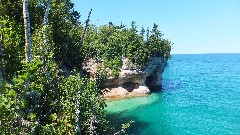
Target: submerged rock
{"points": [[131, 81]]}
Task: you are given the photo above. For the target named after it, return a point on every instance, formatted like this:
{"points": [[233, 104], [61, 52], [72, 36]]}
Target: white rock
{"points": [[142, 90]]}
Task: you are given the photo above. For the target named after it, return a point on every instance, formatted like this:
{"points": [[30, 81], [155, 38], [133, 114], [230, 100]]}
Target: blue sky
{"points": [[194, 26]]}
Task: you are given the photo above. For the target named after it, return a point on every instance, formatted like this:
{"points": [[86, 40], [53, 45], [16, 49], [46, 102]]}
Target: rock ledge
{"points": [[131, 81]]}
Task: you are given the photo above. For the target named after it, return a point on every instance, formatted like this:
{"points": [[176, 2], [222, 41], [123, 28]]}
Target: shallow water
{"points": [[200, 96]]}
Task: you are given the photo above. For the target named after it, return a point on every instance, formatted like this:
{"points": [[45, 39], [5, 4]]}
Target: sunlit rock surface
{"points": [[131, 81]]}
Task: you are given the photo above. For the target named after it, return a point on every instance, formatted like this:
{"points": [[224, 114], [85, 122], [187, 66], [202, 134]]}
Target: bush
{"points": [[52, 104], [111, 43]]}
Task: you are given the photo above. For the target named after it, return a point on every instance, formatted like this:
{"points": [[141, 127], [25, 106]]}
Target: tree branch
{"points": [[85, 28]]}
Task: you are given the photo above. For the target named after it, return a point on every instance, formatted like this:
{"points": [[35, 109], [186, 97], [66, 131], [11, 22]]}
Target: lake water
{"points": [[200, 96]]}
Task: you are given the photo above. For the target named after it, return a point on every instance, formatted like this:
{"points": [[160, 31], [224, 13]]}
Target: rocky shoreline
{"points": [[131, 82]]}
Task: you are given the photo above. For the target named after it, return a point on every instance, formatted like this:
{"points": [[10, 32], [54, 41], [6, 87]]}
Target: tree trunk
{"points": [[46, 48], [45, 23], [78, 126], [28, 42]]}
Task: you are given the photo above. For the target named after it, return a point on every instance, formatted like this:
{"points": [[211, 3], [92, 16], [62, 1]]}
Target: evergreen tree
{"points": [[37, 95]]}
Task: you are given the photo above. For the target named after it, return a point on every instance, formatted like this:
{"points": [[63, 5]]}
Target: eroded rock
{"points": [[130, 81]]}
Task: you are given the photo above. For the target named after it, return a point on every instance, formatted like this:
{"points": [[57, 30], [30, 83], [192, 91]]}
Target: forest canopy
{"points": [[43, 44]]}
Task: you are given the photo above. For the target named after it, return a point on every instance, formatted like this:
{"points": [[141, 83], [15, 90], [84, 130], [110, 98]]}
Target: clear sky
{"points": [[194, 26]]}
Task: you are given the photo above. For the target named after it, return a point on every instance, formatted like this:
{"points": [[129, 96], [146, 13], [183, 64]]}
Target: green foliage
{"points": [[8, 99], [38, 97], [41, 98], [66, 33], [124, 128], [114, 64], [53, 105], [64, 22], [112, 43], [10, 37], [87, 97]]}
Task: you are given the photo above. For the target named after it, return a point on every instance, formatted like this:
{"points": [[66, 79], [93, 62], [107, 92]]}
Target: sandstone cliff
{"points": [[131, 81]]}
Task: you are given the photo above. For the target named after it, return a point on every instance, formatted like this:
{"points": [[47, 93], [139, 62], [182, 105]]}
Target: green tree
{"points": [[57, 98]]}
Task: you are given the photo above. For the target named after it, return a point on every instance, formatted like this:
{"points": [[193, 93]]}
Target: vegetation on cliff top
{"points": [[111, 43], [37, 96]]}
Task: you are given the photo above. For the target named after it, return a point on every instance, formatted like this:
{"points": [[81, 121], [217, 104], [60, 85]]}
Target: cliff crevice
{"points": [[131, 80]]}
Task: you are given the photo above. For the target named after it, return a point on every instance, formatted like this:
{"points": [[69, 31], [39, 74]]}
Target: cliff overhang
{"points": [[131, 81]]}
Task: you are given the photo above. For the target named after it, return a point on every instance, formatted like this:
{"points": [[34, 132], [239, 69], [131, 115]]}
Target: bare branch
{"points": [[85, 28]]}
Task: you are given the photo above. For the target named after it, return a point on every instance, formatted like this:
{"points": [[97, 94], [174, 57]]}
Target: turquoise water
{"points": [[200, 96]]}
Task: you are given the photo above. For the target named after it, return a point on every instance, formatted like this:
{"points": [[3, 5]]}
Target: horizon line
{"points": [[205, 53]]}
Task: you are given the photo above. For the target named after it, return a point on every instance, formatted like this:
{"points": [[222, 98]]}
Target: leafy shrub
{"points": [[111, 43], [41, 98], [54, 105]]}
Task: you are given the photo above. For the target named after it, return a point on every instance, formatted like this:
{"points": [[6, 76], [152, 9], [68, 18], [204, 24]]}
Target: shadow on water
{"points": [[131, 106], [116, 120], [154, 121], [143, 104], [168, 85], [123, 117]]}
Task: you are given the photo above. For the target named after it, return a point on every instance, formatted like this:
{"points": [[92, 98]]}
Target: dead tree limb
{"points": [[85, 28]]}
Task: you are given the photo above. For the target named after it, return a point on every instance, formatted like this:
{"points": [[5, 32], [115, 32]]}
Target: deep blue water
{"points": [[200, 96]]}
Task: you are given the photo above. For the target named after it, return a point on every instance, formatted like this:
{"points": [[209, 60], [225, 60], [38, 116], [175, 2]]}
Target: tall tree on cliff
{"points": [[28, 40]]}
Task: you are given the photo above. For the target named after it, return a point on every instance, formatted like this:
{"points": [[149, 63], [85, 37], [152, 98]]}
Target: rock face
{"points": [[131, 81]]}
